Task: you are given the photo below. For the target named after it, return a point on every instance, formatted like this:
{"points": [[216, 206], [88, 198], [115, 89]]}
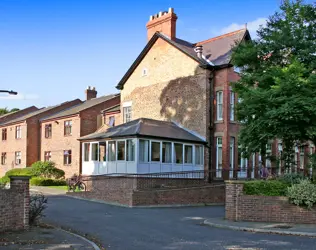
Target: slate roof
{"points": [[216, 51], [80, 107], [15, 112], [31, 114], [115, 108], [144, 127]]}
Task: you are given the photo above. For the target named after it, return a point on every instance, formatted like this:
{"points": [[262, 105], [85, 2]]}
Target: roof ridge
{"points": [[220, 37]]}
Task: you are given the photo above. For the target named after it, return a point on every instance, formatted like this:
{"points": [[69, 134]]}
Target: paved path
{"points": [[165, 228]]}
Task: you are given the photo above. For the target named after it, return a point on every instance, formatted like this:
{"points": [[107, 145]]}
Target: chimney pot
{"points": [[199, 50], [170, 10], [91, 93], [151, 18]]}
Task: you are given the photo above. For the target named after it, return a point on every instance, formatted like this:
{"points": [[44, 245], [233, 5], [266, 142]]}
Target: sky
{"points": [[51, 50]]}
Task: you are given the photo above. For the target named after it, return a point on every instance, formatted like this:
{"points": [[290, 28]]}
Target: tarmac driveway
{"points": [[160, 228]]}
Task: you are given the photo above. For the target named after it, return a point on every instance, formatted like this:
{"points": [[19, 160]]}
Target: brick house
{"points": [[20, 136], [60, 131], [188, 84]]}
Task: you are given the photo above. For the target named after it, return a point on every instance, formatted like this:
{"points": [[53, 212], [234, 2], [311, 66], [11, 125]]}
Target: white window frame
{"points": [[174, 153], [232, 106], [144, 72], [202, 154], [219, 173], [219, 105], [192, 163], [171, 162], [108, 150], [18, 132], [91, 151], [150, 151], [18, 158], [116, 156]]}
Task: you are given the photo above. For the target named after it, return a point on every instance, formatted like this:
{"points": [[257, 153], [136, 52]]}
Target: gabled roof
{"points": [[32, 114], [80, 107], [18, 111], [216, 51], [144, 127]]}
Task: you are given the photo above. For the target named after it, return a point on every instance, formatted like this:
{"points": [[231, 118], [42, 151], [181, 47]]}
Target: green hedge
{"points": [[267, 188], [16, 171], [38, 181]]}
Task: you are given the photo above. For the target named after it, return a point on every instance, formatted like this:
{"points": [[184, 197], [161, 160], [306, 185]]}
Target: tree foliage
{"points": [[4, 111], [277, 87]]}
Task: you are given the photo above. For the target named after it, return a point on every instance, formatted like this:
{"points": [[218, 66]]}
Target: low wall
{"points": [[136, 192], [211, 194], [241, 207], [14, 205]]}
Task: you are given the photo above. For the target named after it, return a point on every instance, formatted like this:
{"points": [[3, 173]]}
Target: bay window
{"points": [[188, 154], [155, 151], [144, 150], [178, 153], [166, 152]]}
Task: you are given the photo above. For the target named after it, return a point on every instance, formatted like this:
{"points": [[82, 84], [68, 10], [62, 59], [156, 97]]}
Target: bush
{"points": [[37, 206], [302, 194], [292, 178], [16, 171], [46, 169], [267, 188], [39, 181]]}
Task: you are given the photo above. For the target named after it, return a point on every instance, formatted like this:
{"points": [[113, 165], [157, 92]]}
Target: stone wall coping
{"points": [[235, 182], [19, 177]]}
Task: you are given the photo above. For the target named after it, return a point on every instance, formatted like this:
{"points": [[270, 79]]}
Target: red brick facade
{"points": [[83, 123], [241, 207], [29, 142], [15, 205]]}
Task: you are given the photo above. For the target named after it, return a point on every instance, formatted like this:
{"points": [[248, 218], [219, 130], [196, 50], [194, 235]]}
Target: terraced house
{"points": [[183, 89], [20, 136], [60, 131]]}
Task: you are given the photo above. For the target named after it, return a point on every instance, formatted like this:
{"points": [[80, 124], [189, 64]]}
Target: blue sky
{"points": [[51, 50]]}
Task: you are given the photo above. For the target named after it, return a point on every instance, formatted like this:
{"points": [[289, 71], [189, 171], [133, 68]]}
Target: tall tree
{"points": [[278, 81]]}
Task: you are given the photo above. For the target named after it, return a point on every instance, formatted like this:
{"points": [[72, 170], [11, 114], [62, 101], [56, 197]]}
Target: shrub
{"points": [[46, 169], [37, 206], [16, 171], [302, 194], [39, 181], [292, 178], [267, 188]]}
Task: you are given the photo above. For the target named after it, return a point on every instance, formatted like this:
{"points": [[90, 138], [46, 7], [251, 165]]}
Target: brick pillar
{"points": [[233, 190], [21, 184]]}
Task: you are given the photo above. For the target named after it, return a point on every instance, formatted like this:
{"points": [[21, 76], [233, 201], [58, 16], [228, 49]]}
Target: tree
{"points": [[4, 111], [277, 87]]}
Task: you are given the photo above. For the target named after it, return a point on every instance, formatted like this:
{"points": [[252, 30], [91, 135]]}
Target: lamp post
{"points": [[10, 92]]}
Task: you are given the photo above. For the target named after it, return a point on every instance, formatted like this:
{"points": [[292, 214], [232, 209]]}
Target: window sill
{"points": [[67, 135], [67, 164], [48, 137], [219, 121], [18, 138]]}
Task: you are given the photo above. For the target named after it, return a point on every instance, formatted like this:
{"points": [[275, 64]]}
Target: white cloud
{"points": [[19, 96], [252, 26]]}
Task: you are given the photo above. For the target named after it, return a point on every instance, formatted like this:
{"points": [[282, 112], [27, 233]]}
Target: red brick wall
{"points": [[14, 209], [125, 191], [241, 207]]}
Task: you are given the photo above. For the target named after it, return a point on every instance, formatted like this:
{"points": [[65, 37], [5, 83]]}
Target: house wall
{"points": [[59, 142], [175, 89], [14, 209], [12, 145]]}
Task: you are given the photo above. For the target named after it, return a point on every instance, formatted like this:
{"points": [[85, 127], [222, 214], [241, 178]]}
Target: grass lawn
{"points": [[59, 187]]}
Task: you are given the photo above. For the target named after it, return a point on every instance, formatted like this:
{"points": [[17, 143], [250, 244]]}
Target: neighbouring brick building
{"points": [[60, 131], [187, 83], [20, 137]]}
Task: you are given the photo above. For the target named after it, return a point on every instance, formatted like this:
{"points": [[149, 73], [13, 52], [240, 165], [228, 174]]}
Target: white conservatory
{"points": [[142, 146]]}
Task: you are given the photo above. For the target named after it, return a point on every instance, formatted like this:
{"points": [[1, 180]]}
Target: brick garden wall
{"points": [[131, 191], [14, 205], [241, 207]]}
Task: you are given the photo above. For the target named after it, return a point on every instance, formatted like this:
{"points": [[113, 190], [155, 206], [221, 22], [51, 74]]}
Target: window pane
{"points": [[232, 152], [130, 150], [102, 146], [198, 155], [121, 150], [166, 152], [86, 151], [219, 154], [188, 153], [219, 105], [112, 151], [95, 152], [143, 150], [155, 151], [178, 153]]}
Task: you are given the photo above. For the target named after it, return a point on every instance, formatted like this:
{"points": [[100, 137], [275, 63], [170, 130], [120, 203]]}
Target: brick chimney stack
{"points": [[91, 93], [164, 22]]}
